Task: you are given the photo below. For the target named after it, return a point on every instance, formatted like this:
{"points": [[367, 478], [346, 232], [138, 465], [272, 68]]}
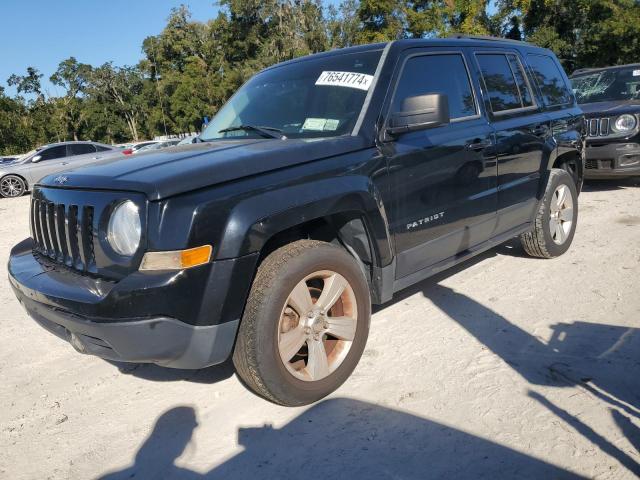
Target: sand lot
{"points": [[505, 367]]}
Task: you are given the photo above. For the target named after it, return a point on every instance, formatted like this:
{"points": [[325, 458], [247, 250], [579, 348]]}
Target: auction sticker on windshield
{"points": [[361, 81]]}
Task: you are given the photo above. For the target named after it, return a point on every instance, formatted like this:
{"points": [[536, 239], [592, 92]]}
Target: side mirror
{"points": [[419, 113], [36, 159]]}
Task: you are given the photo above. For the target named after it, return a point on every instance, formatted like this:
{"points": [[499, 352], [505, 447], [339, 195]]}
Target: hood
{"points": [[617, 107], [164, 173]]}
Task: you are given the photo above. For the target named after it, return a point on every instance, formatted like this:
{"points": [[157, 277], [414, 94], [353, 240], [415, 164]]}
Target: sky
{"points": [[42, 33]]}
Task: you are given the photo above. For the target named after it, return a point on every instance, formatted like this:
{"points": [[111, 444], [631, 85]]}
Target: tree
{"points": [[121, 88], [73, 77], [380, 20], [29, 83]]}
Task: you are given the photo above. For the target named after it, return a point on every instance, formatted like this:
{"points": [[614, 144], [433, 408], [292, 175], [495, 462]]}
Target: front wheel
{"points": [[555, 222], [12, 186], [305, 324]]}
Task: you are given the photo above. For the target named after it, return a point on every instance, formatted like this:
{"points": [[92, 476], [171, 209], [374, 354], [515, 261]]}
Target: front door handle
{"points": [[478, 145]]}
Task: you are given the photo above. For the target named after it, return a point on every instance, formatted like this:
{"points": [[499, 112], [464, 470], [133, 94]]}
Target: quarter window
{"points": [[550, 80], [424, 74], [505, 82]]}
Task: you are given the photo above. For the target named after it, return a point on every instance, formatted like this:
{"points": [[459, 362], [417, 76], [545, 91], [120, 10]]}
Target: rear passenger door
{"points": [[560, 105], [443, 197], [524, 141], [75, 152]]}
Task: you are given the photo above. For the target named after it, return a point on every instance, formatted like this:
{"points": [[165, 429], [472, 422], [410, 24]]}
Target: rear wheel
{"points": [[12, 186], [305, 324], [555, 222]]}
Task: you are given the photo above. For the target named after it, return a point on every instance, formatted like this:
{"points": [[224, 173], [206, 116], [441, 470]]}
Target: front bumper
{"points": [[612, 160], [185, 319]]}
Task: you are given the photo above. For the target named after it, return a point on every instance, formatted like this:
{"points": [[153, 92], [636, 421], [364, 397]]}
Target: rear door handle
{"points": [[478, 145]]}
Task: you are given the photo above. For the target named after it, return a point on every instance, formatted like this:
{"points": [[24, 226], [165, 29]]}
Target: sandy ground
{"points": [[506, 367]]}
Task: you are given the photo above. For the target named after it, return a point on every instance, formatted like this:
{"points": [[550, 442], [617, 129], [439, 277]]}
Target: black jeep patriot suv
{"points": [[324, 185], [610, 98]]}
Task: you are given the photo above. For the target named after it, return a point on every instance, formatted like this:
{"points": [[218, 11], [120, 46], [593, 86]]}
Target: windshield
{"points": [[608, 85], [312, 98], [22, 158]]}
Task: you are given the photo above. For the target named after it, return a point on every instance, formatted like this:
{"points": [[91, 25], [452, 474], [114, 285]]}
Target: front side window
{"points": [[439, 73], [505, 82], [318, 97], [550, 80], [617, 84], [53, 153]]}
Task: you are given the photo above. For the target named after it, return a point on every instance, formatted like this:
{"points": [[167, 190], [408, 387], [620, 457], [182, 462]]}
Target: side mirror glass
{"points": [[419, 113], [36, 159]]}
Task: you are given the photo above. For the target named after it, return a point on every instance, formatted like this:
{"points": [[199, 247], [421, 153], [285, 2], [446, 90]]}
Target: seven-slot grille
{"points": [[598, 127], [64, 233]]}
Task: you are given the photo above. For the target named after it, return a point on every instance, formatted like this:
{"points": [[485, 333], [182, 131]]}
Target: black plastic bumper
{"points": [[185, 319], [613, 160]]}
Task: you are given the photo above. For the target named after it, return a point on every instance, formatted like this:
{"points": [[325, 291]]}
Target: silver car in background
{"points": [[18, 176]]}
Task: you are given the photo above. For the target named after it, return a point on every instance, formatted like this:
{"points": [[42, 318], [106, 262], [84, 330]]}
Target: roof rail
{"points": [[489, 38]]}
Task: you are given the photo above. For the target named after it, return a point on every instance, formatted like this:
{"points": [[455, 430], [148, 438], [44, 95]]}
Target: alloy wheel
{"points": [[11, 187], [317, 325], [561, 217]]}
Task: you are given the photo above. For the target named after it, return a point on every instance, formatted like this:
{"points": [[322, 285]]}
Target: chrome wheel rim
{"points": [[561, 215], [11, 187], [317, 325]]}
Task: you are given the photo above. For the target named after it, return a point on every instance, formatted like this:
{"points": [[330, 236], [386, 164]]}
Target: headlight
{"points": [[625, 123], [124, 229]]}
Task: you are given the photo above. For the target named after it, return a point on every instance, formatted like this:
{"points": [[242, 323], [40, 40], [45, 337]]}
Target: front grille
{"points": [[64, 233], [598, 127]]}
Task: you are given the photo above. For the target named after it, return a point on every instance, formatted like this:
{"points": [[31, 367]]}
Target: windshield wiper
{"points": [[267, 132]]}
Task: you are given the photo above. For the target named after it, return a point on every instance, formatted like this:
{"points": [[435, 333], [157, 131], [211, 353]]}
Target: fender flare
{"points": [[255, 220]]}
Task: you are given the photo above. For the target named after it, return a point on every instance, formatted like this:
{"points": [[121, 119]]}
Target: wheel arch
{"points": [[346, 213], [563, 161]]}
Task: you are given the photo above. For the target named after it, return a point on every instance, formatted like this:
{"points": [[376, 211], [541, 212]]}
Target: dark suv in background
{"points": [[325, 184], [610, 99]]}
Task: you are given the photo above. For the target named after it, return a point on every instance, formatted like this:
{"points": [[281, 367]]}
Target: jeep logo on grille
{"points": [[61, 179]]}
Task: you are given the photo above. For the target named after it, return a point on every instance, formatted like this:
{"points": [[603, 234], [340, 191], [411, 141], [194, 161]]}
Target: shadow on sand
{"points": [[340, 438], [600, 360]]}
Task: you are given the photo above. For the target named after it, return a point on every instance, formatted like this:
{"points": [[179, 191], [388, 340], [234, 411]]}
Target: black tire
{"points": [[256, 354], [539, 242], [17, 184]]}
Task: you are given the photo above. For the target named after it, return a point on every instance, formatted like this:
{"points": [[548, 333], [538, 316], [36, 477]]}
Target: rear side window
{"points": [[100, 148], [441, 73], [53, 153], [505, 81], [81, 148], [550, 80]]}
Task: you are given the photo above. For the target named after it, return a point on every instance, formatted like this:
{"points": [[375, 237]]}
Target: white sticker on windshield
{"points": [[316, 124], [321, 124], [360, 81], [636, 73], [331, 124]]}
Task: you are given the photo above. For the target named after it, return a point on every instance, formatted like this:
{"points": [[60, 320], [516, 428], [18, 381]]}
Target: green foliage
{"points": [[190, 68]]}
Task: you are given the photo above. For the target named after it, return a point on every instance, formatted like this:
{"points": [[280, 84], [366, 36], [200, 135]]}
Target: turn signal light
{"points": [[176, 260]]}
